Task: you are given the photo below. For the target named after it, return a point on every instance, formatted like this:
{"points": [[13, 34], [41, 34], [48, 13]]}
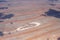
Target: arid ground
{"points": [[38, 20]]}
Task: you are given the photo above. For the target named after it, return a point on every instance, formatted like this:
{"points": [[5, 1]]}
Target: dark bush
{"points": [[53, 13], [3, 17], [3, 7], [7, 16], [1, 33], [1, 14], [59, 38], [3, 1]]}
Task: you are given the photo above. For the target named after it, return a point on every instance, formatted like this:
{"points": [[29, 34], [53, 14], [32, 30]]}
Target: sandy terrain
{"points": [[28, 15]]}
